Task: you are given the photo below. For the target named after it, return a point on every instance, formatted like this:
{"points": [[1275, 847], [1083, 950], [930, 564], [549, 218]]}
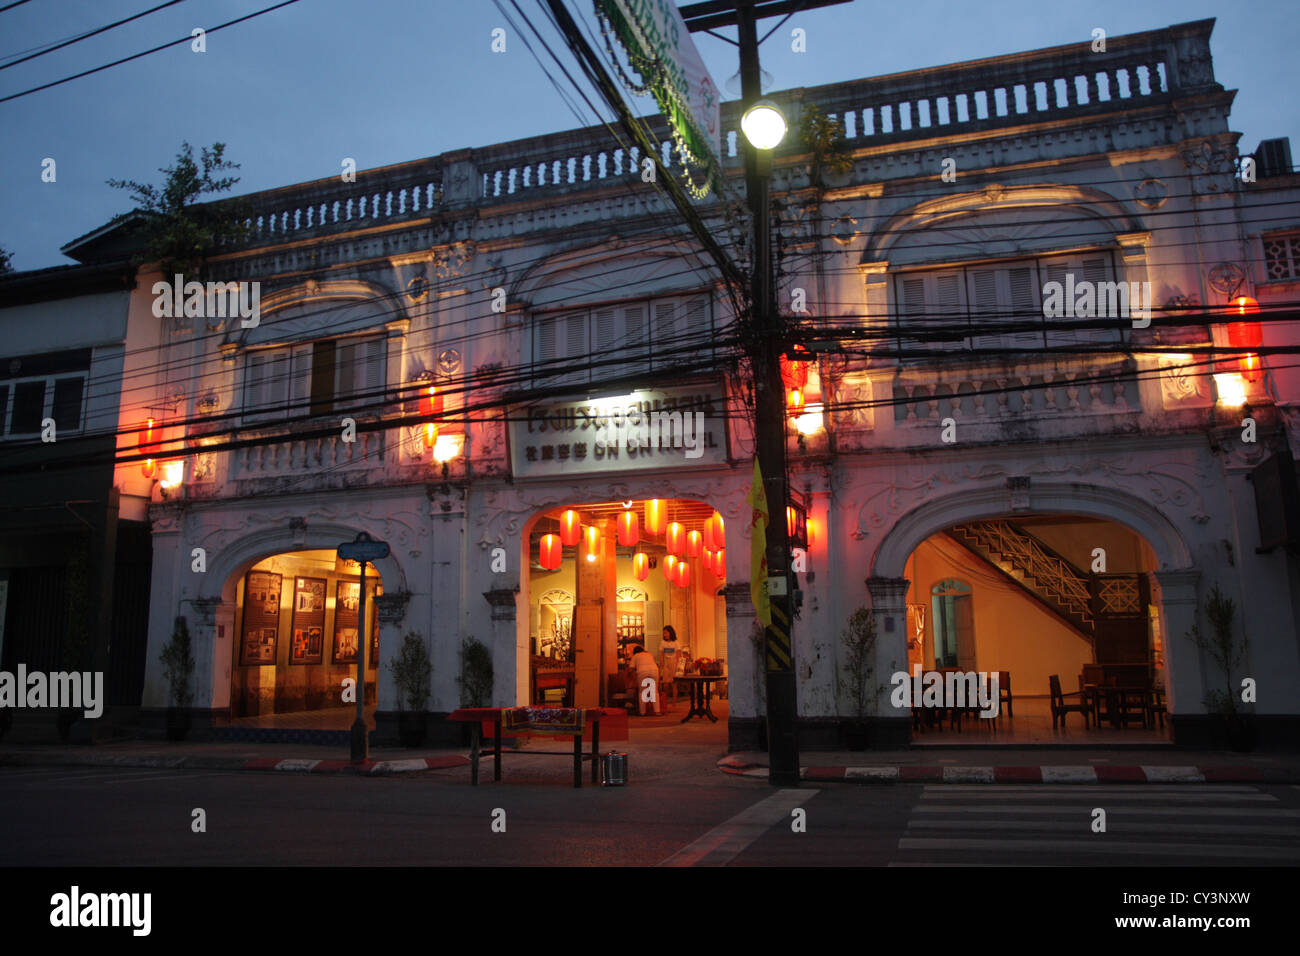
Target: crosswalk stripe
{"points": [[1238, 812], [1243, 852], [1092, 788], [1121, 793], [1116, 824]]}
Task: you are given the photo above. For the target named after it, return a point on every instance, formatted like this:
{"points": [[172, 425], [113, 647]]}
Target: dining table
{"points": [[701, 686]]}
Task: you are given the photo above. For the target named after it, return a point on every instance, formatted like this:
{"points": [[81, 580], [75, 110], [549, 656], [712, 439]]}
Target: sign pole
{"points": [[360, 738]]}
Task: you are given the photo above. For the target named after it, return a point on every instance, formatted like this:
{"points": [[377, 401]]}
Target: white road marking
{"points": [[1242, 852], [728, 840]]}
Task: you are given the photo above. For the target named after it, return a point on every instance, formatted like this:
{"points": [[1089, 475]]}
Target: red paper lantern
{"points": [[629, 529], [640, 566], [430, 434], [592, 534], [811, 529], [693, 542], [1246, 335], [790, 520], [794, 374], [682, 574], [551, 552], [148, 467], [430, 400], [720, 563], [570, 527], [669, 564], [719, 530], [794, 399], [655, 511], [676, 541]]}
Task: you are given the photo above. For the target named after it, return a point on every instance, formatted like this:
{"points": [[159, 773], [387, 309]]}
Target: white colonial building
{"points": [[1007, 492]]}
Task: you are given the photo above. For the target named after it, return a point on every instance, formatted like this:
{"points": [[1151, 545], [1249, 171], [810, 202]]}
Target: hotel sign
{"points": [[652, 428], [660, 49]]}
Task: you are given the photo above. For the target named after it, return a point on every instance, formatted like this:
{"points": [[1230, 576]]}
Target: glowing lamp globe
{"points": [[763, 125]]}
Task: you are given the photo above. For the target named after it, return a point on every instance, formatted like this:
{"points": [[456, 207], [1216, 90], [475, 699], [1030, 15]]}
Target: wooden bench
{"points": [[529, 721]]}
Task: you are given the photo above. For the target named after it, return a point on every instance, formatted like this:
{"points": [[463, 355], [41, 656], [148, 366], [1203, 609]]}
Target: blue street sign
{"points": [[363, 548]]}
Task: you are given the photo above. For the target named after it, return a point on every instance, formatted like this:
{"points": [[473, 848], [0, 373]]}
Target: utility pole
{"points": [[766, 344]]}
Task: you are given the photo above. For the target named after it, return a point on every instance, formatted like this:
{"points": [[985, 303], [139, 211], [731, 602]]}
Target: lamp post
{"points": [[764, 127]]}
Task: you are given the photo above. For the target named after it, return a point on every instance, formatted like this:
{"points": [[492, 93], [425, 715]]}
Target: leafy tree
{"points": [[179, 230], [6, 261], [1222, 647], [823, 137]]}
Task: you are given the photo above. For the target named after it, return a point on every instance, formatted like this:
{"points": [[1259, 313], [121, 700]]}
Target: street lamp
{"points": [[764, 125]]}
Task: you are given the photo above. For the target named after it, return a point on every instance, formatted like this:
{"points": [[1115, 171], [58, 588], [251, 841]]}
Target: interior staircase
{"points": [[1056, 583]]}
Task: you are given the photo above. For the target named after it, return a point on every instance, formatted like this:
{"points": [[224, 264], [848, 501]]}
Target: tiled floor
{"points": [[1032, 724]]}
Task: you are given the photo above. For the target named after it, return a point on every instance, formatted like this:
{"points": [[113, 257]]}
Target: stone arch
{"points": [[1112, 504], [581, 273], [1025, 213], [350, 305], [235, 558]]}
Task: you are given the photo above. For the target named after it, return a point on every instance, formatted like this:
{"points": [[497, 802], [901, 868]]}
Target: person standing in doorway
{"points": [[668, 665]]}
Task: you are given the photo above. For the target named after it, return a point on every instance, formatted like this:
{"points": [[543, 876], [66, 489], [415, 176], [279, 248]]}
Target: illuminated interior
{"points": [[296, 628], [616, 586]]}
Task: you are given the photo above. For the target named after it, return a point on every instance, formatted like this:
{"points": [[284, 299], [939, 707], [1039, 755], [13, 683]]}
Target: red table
{"points": [[476, 717]]}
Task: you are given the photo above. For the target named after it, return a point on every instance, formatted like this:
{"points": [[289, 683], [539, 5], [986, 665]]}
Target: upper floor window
{"points": [[612, 341], [994, 306], [316, 378], [1282, 255], [41, 387]]}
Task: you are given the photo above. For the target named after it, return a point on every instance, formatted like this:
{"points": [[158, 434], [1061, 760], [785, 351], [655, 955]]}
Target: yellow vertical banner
{"points": [[758, 549]]}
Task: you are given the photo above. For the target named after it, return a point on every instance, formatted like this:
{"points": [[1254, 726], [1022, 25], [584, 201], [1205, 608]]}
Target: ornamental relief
{"points": [[399, 528]]}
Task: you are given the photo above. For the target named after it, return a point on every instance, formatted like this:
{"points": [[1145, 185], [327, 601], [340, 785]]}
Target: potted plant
{"points": [[476, 673], [411, 670], [76, 640], [859, 640], [178, 668], [1235, 726]]}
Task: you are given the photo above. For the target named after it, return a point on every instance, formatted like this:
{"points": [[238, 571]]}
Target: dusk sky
{"points": [[295, 91]]}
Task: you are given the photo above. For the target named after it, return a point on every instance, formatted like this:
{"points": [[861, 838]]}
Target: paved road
{"points": [[76, 816]]}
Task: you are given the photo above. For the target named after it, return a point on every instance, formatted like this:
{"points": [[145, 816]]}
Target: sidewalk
{"points": [[1031, 766], [918, 765]]}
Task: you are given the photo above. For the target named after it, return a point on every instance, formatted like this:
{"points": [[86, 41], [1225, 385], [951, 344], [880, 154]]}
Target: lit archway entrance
{"points": [[297, 636], [605, 578], [1037, 597]]}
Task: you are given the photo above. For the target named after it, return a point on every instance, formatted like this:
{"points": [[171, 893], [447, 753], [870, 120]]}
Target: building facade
{"points": [[452, 353]]}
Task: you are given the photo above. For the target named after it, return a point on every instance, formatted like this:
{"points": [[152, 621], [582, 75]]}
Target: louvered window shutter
{"points": [[1025, 307], [345, 375], [911, 312], [300, 386], [948, 312], [637, 337], [374, 373], [664, 339]]}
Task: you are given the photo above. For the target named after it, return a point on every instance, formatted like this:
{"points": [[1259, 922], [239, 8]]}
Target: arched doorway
{"points": [[1088, 594], [298, 634], [606, 577]]}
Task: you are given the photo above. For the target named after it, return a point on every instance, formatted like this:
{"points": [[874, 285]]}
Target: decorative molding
{"points": [[503, 602], [391, 607]]}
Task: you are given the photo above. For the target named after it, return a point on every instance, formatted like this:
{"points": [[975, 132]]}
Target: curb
{"points": [[200, 762], [1135, 774]]}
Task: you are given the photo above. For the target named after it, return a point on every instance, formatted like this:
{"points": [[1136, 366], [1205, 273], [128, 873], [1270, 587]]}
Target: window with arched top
{"points": [[953, 624]]}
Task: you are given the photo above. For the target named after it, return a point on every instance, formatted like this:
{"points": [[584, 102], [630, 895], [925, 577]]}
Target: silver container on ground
{"points": [[614, 769]]}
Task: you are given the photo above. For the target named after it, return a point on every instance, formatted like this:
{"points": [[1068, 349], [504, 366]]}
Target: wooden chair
{"points": [[1004, 692], [1060, 708]]}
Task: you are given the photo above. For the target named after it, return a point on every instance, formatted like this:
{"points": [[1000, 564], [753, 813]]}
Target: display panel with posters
{"points": [[308, 644], [261, 617], [346, 627]]}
